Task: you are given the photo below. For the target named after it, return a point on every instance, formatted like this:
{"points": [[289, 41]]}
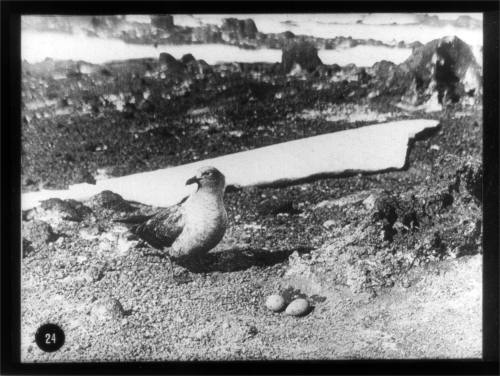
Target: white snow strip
{"points": [[366, 149], [37, 46]]}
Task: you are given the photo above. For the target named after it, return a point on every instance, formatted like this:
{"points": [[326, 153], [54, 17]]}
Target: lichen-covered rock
{"points": [[36, 235], [303, 54], [70, 210], [110, 200], [470, 175]]}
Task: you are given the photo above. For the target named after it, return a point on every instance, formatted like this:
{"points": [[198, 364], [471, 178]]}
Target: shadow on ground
{"points": [[236, 259]]}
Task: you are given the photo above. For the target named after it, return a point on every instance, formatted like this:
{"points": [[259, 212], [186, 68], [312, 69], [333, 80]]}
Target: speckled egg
{"points": [[298, 307], [275, 302]]}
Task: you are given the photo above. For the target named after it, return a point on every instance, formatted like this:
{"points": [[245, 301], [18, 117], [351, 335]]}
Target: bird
{"points": [[188, 230]]}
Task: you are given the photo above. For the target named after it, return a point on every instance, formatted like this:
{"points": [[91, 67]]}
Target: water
{"points": [[36, 46]]}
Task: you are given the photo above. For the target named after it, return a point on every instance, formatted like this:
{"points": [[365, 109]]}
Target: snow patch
{"points": [[369, 149]]}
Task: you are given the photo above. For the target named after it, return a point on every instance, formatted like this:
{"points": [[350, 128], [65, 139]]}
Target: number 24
{"points": [[50, 338]]}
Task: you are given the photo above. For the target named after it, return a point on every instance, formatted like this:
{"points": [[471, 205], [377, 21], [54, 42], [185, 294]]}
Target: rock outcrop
{"points": [[440, 72], [303, 54], [233, 28], [446, 66], [170, 64], [164, 21]]}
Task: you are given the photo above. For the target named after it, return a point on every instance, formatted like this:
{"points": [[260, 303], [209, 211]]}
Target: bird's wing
{"points": [[134, 219], [161, 229]]}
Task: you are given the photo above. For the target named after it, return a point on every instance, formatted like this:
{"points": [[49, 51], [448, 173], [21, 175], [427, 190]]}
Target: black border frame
{"points": [[10, 191]]}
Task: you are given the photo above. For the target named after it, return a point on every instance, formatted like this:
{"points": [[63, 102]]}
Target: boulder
{"points": [[163, 21], [240, 28], [198, 68], [304, 54], [110, 200], [106, 22], [445, 65], [187, 58], [389, 78], [170, 64], [36, 235], [206, 34], [248, 29], [68, 210], [287, 35], [470, 177]]}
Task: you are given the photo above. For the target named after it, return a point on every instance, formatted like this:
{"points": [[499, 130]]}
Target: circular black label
{"points": [[49, 337]]}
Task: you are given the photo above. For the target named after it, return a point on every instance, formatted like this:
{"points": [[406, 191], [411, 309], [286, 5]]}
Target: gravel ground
{"points": [[390, 262]]}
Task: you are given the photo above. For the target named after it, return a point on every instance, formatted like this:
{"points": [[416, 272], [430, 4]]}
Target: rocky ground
{"points": [[390, 262]]}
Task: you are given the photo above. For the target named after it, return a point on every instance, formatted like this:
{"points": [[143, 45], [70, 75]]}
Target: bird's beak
{"points": [[192, 180]]}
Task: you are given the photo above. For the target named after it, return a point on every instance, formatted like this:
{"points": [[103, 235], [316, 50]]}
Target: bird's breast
{"points": [[204, 226]]}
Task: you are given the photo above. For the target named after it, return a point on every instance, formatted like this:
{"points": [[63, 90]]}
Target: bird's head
{"points": [[208, 177]]}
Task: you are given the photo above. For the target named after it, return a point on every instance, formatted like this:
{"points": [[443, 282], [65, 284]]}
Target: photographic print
{"points": [[251, 187]]}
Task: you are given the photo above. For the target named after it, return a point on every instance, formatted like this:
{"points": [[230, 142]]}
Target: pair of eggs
{"points": [[297, 307]]}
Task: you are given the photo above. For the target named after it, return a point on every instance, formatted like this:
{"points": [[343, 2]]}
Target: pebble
{"points": [[329, 224], [95, 273], [369, 202], [275, 302], [298, 307], [107, 308]]}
